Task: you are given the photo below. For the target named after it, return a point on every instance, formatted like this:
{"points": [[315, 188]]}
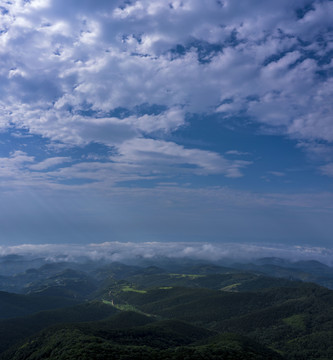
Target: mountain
{"points": [[162, 340], [14, 330], [189, 311], [234, 281], [14, 264], [68, 283], [15, 305], [309, 270]]}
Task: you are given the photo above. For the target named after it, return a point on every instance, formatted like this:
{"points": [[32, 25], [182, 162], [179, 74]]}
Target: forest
{"points": [[179, 310]]}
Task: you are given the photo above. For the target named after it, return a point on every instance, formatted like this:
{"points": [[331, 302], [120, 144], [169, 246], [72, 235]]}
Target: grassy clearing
{"points": [[128, 288], [122, 307], [189, 276], [127, 307], [296, 321], [107, 302], [232, 287]]}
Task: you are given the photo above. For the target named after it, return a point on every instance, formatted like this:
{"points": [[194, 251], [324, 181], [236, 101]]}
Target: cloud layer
{"points": [[119, 73], [131, 252]]}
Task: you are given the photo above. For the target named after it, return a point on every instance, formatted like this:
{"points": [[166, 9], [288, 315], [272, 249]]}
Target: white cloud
{"points": [[139, 159], [327, 169], [277, 173], [117, 57], [59, 61], [162, 155], [321, 151], [14, 165], [133, 251], [136, 159], [50, 162], [236, 152]]}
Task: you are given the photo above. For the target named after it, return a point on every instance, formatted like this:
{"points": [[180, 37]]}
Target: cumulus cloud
{"points": [[58, 60], [129, 74]]}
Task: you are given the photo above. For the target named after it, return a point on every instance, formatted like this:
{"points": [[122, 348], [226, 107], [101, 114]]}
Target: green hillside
{"points": [[13, 330], [67, 283], [170, 339], [240, 281], [14, 305], [186, 313]]}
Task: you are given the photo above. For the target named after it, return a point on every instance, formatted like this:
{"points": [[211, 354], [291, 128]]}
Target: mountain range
{"points": [[270, 308]]}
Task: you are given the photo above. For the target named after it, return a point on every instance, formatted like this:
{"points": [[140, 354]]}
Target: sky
{"points": [[207, 121]]}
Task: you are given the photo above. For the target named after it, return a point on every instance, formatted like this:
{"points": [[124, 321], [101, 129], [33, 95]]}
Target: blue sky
{"points": [[143, 121]]}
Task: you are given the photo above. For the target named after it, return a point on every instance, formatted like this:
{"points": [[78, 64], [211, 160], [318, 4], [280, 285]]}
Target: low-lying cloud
{"points": [[131, 252]]}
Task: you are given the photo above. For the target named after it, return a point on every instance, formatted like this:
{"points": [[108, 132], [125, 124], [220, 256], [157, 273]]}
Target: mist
{"points": [[134, 252]]}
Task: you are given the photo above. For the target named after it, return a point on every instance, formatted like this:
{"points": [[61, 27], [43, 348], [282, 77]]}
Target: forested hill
{"points": [[193, 311]]}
